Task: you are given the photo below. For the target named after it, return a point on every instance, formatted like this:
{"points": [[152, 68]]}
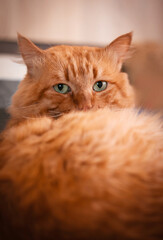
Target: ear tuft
{"points": [[30, 52], [120, 47]]}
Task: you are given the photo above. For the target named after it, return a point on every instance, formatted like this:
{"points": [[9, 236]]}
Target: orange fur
{"points": [[78, 67], [87, 175]]}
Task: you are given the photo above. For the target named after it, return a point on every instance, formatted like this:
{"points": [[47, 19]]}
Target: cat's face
{"points": [[67, 78]]}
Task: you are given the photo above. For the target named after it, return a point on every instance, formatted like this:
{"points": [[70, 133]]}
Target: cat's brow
{"points": [[80, 67], [66, 73], [95, 71], [73, 67]]}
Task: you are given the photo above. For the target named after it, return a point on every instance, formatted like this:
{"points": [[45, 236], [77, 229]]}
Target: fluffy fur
{"points": [[88, 175]]}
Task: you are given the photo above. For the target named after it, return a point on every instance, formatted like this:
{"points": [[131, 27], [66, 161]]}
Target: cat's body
{"points": [[89, 175]]}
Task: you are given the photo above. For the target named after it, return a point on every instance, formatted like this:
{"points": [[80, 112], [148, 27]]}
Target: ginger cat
{"points": [[93, 174], [67, 78]]}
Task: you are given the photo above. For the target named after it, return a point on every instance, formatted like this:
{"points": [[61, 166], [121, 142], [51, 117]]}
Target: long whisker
{"points": [[28, 117], [24, 107], [55, 115]]}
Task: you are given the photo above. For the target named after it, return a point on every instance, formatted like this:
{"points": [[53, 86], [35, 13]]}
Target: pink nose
{"points": [[83, 101], [85, 107]]}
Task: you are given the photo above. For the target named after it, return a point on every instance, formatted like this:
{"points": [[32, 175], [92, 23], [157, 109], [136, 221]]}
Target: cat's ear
{"points": [[32, 55], [119, 48]]}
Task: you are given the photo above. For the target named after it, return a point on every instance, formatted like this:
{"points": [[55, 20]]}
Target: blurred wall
{"points": [[81, 21]]}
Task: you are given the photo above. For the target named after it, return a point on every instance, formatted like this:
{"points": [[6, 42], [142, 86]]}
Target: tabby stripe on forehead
{"points": [[81, 70], [66, 74], [72, 67], [87, 57], [94, 72], [87, 66]]}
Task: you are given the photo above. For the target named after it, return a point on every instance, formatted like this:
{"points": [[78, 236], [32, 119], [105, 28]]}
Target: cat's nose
{"points": [[83, 101], [85, 107]]}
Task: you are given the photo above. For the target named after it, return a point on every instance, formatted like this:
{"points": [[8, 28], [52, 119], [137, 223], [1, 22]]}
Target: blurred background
{"points": [[85, 22], [81, 21]]}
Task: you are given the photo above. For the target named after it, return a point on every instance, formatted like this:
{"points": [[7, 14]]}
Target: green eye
{"points": [[100, 86], [61, 88]]}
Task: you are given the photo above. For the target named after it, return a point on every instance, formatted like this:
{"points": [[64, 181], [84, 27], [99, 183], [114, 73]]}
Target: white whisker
{"points": [[24, 107]]}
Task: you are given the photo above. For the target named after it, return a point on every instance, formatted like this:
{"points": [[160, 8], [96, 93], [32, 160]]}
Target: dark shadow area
{"points": [[4, 116], [7, 89]]}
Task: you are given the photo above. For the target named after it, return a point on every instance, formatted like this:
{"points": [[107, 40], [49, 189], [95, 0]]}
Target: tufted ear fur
{"points": [[32, 55], [118, 49]]}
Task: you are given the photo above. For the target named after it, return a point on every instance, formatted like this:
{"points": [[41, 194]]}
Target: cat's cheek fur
{"points": [[125, 94]]}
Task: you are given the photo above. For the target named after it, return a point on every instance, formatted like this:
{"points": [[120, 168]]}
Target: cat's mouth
{"points": [[52, 112]]}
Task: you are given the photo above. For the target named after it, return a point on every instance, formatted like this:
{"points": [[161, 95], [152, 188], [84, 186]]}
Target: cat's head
{"points": [[67, 78]]}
